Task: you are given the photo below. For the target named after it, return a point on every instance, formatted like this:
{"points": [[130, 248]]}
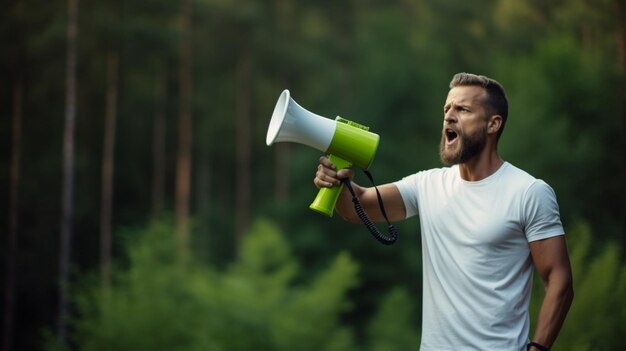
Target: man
{"points": [[484, 225]]}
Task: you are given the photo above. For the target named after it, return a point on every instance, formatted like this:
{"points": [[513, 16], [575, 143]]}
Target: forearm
{"points": [[345, 206], [556, 303]]}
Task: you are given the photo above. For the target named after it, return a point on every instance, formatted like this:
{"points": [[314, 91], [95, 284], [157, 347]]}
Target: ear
{"points": [[494, 124]]}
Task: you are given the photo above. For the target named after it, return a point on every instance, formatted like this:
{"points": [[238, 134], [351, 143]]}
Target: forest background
{"points": [[143, 210]]}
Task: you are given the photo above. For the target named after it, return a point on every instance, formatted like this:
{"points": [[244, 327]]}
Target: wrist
{"points": [[533, 346]]}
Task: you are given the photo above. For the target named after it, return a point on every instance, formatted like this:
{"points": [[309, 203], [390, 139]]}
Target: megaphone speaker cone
{"points": [[292, 123], [277, 117]]}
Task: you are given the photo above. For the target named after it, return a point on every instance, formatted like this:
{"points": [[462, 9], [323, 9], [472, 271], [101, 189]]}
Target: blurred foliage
{"points": [[393, 327], [157, 304], [383, 64]]}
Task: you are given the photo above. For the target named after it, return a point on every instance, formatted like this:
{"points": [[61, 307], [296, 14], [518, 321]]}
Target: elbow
{"points": [[567, 290], [354, 219], [563, 286], [569, 286]]}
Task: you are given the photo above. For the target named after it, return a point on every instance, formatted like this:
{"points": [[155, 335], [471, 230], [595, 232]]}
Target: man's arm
{"points": [[552, 263], [327, 176]]}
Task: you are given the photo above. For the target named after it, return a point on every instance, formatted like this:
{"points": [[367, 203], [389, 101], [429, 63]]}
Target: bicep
{"points": [[551, 259], [392, 200]]}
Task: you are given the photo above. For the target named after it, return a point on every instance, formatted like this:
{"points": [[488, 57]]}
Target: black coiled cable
{"points": [[382, 238]]}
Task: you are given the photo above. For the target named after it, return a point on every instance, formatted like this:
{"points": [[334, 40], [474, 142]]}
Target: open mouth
{"points": [[451, 135]]}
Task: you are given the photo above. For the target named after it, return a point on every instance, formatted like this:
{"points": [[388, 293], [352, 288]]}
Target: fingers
{"points": [[345, 173], [326, 162], [327, 177]]}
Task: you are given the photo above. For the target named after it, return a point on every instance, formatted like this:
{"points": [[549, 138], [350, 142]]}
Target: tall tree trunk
{"points": [[620, 34], [203, 191], [285, 14], [203, 196], [9, 302], [158, 142], [346, 57], [67, 202], [243, 142], [108, 159], [620, 12], [183, 166], [282, 153]]}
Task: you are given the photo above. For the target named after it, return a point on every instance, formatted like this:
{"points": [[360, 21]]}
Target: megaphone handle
{"points": [[326, 198]]}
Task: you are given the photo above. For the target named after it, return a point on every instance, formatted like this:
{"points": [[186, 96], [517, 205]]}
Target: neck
{"points": [[482, 166]]}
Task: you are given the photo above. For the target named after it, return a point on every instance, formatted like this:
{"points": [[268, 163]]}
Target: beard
{"points": [[464, 149]]}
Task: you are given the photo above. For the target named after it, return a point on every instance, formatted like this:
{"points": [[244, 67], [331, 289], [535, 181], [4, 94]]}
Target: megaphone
{"points": [[346, 142]]}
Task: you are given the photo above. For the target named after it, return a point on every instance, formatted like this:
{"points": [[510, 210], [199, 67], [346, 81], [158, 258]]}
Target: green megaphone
{"points": [[347, 143]]}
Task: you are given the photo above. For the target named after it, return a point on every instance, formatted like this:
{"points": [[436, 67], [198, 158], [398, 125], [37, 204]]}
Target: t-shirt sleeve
{"points": [[408, 190], [541, 212]]}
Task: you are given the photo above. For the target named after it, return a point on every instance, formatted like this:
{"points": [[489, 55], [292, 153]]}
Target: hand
{"points": [[327, 176]]}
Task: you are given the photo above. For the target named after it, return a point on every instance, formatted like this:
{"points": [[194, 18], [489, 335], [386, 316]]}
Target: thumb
{"points": [[345, 173]]}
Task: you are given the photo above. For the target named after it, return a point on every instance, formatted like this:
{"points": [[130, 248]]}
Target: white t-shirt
{"points": [[476, 258]]}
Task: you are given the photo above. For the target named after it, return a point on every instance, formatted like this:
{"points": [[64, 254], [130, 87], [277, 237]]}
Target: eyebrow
{"points": [[462, 105]]}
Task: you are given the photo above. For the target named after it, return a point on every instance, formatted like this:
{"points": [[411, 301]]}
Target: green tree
{"points": [[394, 327], [254, 304]]}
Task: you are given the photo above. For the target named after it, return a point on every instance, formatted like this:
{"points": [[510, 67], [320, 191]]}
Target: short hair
{"points": [[496, 102]]}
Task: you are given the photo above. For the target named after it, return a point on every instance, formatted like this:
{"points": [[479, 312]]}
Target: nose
{"points": [[450, 116]]}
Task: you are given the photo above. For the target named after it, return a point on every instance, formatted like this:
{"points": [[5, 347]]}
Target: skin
{"points": [[466, 116]]}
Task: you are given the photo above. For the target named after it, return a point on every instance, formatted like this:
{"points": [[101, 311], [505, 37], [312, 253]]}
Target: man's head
{"points": [[495, 102], [474, 114]]}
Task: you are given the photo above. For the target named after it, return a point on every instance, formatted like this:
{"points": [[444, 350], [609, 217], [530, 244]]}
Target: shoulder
{"points": [[517, 176], [427, 179], [528, 184], [537, 203], [432, 174], [538, 193], [523, 183], [417, 185]]}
